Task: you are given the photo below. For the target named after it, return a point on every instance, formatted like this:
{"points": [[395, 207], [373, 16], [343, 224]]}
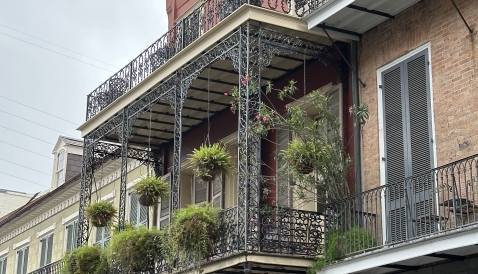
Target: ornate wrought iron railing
{"points": [[441, 200], [182, 34], [53, 268]]}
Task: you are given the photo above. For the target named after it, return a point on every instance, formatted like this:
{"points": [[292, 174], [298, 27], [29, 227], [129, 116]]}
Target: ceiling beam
{"points": [[142, 144], [205, 90], [155, 129], [209, 102], [217, 81], [161, 122], [234, 72], [190, 108], [278, 68], [401, 266], [376, 12], [152, 137]]}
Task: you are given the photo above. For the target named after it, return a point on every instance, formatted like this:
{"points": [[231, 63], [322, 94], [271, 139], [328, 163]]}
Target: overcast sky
{"points": [[110, 31]]}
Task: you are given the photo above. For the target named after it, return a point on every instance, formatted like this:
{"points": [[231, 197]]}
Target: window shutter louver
{"points": [[165, 205], [25, 260], [3, 266], [143, 214], [282, 180], [49, 249], [217, 191], [69, 237], [19, 261], [133, 213], [408, 146]]}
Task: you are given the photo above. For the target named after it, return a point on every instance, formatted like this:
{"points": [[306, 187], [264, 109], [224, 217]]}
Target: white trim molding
{"points": [[4, 252], [109, 196], [68, 219], [22, 243], [46, 231]]}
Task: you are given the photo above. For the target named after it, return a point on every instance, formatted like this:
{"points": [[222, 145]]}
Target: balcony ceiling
{"points": [[205, 96], [347, 15]]}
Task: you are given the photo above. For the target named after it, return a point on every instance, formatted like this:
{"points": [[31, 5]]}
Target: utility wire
{"points": [[57, 52], [25, 167], [26, 150], [23, 179], [36, 123], [79, 53], [19, 132], [39, 110]]}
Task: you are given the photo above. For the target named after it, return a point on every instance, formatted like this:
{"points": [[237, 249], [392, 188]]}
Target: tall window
{"points": [[59, 168], [138, 214], [3, 265], [102, 237], [71, 233], [165, 206], [209, 191], [46, 249], [22, 260]]}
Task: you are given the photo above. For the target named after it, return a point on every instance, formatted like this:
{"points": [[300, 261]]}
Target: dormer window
{"points": [[59, 168]]}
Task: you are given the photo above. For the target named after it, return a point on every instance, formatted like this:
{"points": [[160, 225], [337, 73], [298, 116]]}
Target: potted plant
{"points": [[85, 260], [135, 250], [101, 213], [193, 232], [210, 160], [151, 190], [302, 155]]}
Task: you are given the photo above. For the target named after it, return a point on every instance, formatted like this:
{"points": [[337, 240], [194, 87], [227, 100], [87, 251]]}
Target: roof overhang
{"points": [[355, 16]]}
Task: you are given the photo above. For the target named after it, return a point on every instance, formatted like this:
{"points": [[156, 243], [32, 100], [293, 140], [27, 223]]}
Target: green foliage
{"points": [[85, 260], [360, 112], [153, 188], [135, 249], [342, 243], [303, 155], [127, 226], [192, 233], [210, 160], [101, 213]]}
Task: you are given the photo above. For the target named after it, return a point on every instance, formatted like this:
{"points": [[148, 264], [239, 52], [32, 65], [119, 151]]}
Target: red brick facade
{"points": [[454, 65], [176, 8]]}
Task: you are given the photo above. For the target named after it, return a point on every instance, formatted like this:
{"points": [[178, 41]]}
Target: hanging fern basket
{"points": [[151, 190], [101, 213], [210, 160], [304, 167]]}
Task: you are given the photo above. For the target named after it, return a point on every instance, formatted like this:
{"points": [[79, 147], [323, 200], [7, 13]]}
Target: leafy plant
{"points": [[342, 243], [360, 112], [192, 233], [210, 160], [85, 260], [135, 249], [303, 155], [127, 226], [101, 213], [151, 190]]}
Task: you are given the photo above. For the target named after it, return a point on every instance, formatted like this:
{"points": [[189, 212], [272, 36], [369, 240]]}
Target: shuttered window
{"points": [[138, 214], [165, 205], [282, 180], [102, 237], [408, 145], [22, 260], [201, 190], [71, 234], [3, 265], [46, 249], [217, 186]]}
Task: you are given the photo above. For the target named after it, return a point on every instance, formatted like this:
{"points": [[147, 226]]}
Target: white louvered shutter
{"points": [[408, 145], [71, 233], [43, 247], [282, 180], [217, 186], [3, 265], [22, 260], [165, 205], [143, 214], [133, 209], [200, 191], [49, 249]]}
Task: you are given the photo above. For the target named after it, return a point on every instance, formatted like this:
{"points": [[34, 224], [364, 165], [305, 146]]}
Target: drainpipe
{"points": [[357, 125]]}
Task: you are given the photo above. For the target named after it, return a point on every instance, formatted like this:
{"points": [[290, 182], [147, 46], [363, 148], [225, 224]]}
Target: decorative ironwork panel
{"points": [[292, 231], [53, 268], [87, 173], [176, 180]]}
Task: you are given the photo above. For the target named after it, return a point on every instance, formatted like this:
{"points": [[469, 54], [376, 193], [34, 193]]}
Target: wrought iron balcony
{"points": [[53, 268], [186, 31], [442, 200]]}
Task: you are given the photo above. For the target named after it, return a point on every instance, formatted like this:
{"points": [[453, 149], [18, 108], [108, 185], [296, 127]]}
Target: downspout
{"points": [[357, 125]]}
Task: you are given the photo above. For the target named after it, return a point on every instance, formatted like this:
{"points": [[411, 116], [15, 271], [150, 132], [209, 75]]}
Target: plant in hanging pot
{"points": [[151, 190], [210, 160], [135, 250], [193, 232], [85, 260], [303, 155], [101, 213]]}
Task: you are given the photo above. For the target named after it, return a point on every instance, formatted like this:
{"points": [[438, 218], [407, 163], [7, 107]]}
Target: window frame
{"points": [[138, 223], [17, 267], [166, 217], [42, 240], [3, 263], [60, 170], [105, 236], [74, 240]]}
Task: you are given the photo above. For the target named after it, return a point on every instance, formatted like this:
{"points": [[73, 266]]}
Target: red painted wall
{"points": [[176, 8]]}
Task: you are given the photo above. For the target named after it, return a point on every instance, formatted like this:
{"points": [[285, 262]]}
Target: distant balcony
{"points": [[209, 14], [443, 201], [53, 268]]}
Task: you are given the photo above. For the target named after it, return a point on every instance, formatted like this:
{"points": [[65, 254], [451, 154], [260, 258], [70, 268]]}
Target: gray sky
{"points": [[112, 31]]}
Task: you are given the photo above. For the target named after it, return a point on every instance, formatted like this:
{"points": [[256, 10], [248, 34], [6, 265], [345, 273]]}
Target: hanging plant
{"points": [[151, 190], [193, 232], [360, 112], [302, 155], [135, 250], [210, 160], [101, 213], [85, 260]]}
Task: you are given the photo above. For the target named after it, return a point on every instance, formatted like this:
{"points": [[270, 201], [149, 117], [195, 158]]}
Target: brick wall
{"points": [[454, 59]]}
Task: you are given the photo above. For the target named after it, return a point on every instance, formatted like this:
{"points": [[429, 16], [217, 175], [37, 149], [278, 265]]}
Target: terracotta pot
{"points": [[146, 200]]}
